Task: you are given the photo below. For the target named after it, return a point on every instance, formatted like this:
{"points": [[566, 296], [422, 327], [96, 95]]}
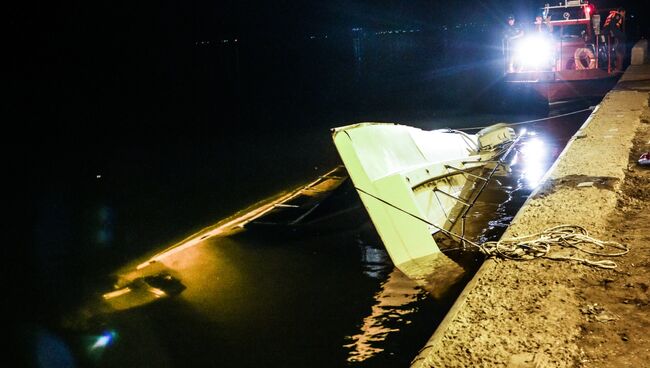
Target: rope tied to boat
{"points": [[591, 108], [539, 245]]}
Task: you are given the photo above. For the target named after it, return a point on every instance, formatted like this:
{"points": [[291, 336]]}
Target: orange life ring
{"points": [[584, 54]]}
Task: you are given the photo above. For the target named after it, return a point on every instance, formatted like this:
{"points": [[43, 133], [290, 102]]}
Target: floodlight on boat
{"points": [[534, 52]]}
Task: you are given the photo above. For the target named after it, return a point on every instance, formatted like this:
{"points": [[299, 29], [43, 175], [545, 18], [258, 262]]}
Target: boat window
{"points": [[573, 30]]}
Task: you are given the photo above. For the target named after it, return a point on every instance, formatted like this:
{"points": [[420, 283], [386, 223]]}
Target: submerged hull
{"points": [[329, 202], [553, 87]]}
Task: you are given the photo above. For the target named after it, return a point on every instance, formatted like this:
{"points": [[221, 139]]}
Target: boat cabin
{"points": [[562, 57]]}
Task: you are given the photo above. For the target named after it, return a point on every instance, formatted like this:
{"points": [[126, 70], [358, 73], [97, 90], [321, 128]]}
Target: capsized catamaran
{"points": [[416, 183]]}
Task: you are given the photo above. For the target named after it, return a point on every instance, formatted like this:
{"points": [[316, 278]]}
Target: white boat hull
{"points": [[414, 183]]}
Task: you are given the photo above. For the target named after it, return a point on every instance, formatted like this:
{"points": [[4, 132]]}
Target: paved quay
{"points": [[549, 313]]}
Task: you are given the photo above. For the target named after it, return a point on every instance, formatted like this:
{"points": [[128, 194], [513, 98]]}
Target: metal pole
{"points": [[609, 54], [597, 51]]}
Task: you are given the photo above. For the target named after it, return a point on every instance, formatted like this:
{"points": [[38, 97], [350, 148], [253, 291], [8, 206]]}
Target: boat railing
{"points": [[468, 203]]}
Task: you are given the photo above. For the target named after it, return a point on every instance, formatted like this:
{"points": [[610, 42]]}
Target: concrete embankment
{"points": [[548, 313]]}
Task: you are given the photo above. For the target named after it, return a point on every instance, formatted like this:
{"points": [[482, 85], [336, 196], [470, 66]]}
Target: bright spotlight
{"points": [[534, 52]]}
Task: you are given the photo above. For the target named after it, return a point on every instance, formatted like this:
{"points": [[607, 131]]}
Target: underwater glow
{"points": [[104, 340]]}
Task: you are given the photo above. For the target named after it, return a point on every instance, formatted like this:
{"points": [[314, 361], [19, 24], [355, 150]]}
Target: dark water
{"points": [[242, 122]]}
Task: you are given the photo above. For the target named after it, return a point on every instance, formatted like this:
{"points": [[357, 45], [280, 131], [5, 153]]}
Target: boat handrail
{"points": [[457, 171]]}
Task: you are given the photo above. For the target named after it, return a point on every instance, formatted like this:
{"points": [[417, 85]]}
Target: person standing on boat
{"points": [[511, 34], [614, 26], [543, 25]]}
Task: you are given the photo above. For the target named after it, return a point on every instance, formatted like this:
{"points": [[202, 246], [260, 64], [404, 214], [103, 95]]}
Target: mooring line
{"points": [[591, 108]]}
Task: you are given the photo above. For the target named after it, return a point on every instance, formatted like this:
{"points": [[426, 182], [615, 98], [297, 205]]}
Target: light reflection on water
{"points": [[393, 303], [534, 159]]}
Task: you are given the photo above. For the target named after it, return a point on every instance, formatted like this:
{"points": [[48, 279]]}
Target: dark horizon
{"points": [[169, 21]]}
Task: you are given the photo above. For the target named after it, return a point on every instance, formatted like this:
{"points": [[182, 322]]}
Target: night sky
{"points": [[167, 21]]}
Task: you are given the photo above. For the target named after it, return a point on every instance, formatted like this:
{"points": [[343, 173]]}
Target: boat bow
{"points": [[415, 183]]}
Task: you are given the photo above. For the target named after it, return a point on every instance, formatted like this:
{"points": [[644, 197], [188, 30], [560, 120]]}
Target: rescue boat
{"points": [[565, 58]]}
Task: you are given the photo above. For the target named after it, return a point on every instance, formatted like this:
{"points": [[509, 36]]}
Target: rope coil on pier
{"points": [[539, 245]]}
